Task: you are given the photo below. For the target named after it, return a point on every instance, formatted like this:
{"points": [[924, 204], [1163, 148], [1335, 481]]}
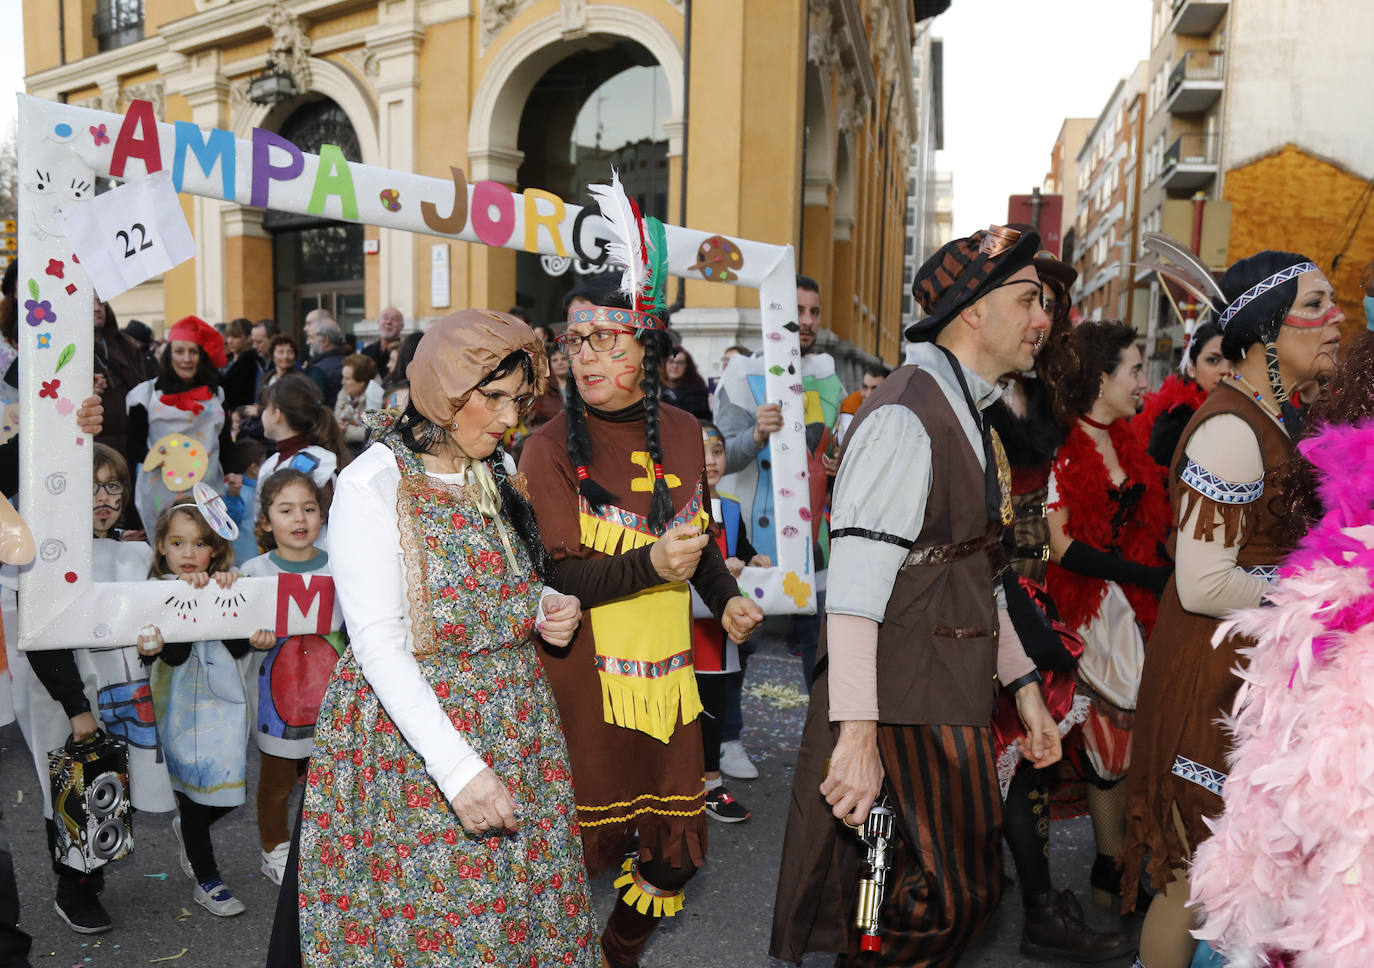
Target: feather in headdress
{"points": [[1167, 247], [658, 263], [627, 247]]}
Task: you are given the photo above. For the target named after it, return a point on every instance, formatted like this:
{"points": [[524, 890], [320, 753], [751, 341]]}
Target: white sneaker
{"points": [[734, 761], [274, 863], [218, 899], [181, 849]]}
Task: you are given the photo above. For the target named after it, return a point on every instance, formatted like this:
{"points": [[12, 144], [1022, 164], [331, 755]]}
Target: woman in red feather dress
{"points": [[1109, 517]]}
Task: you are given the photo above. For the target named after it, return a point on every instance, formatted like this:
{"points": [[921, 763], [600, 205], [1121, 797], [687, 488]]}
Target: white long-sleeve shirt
{"points": [[370, 580]]}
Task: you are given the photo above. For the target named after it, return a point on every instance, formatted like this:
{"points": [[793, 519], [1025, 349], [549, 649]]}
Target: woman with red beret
{"points": [[177, 433]]}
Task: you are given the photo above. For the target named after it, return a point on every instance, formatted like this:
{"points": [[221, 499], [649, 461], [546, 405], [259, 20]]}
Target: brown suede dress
{"points": [[1179, 756]]}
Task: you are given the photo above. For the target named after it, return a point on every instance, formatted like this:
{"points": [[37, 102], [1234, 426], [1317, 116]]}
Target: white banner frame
{"points": [[63, 147]]}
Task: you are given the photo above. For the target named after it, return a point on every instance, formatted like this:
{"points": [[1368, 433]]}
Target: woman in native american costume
{"points": [[618, 484], [1290, 871], [1280, 330]]}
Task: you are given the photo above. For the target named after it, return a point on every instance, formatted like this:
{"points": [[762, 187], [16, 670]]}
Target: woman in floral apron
{"points": [[176, 430], [439, 826]]}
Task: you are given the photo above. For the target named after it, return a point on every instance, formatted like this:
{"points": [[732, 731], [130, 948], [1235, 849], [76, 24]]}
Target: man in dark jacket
{"points": [[326, 366]]}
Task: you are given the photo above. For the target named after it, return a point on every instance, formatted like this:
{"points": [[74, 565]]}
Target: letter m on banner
{"points": [[306, 592]]}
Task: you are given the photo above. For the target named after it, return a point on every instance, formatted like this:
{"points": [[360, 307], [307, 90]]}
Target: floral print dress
{"points": [[388, 876]]}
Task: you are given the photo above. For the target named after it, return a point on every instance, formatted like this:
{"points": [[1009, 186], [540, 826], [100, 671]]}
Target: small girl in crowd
{"points": [[715, 656], [75, 692], [240, 505], [308, 437], [202, 712], [294, 671]]}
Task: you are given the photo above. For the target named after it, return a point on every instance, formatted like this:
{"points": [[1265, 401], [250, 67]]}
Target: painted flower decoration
{"points": [[50, 388], [39, 312], [44, 340], [65, 406], [98, 135], [55, 268]]}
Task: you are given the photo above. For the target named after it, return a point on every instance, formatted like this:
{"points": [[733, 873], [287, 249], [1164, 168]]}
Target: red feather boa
{"points": [[1174, 391], [1083, 489]]}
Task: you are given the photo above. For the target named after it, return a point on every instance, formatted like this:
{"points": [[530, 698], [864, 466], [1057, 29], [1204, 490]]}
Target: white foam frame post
{"points": [[62, 148]]}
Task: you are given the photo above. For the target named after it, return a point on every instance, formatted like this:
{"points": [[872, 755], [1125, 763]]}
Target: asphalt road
{"points": [[725, 923]]}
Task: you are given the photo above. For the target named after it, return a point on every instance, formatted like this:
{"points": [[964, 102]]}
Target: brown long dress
{"points": [[1179, 759], [625, 780]]}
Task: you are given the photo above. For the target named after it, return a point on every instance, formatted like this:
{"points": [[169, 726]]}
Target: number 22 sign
{"points": [[127, 238], [130, 234]]}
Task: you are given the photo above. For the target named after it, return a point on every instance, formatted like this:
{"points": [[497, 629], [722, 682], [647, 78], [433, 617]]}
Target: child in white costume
{"points": [[292, 672]]}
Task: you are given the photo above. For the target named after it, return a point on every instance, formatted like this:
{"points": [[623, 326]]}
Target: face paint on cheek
{"points": [[626, 379], [618, 355]]}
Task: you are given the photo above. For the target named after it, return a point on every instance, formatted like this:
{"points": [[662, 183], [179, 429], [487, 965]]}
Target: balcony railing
{"points": [[1197, 17], [117, 22], [1191, 161], [1196, 82]]}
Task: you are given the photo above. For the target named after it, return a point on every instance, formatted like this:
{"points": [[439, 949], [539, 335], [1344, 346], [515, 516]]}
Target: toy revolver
{"points": [[876, 835]]}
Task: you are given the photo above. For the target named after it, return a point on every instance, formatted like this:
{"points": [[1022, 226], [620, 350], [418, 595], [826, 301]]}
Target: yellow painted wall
{"points": [[41, 43], [1270, 211], [446, 88], [247, 262], [253, 48], [159, 12]]}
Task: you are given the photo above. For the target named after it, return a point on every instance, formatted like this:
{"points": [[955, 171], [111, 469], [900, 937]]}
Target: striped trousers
{"points": [[946, 877]]}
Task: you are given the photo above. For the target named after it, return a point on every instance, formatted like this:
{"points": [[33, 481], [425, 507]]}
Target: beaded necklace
{"points": [[1268, 407]]}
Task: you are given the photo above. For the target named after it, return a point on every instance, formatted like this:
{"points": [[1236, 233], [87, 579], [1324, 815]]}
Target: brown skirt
{"points": [[1186, 687], [625, 781]]}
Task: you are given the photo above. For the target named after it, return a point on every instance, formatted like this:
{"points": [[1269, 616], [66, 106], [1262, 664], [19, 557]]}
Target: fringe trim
{"points": [[610, 538], [654, 711], [641, 895], [1238, 520]]}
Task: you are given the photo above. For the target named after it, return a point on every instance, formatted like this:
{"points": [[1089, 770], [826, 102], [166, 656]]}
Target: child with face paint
{"points": [[69, 686], [716, 656]]}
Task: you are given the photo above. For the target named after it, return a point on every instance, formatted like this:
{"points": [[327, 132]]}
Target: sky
{"points": [[1000, 124], [1001, 120]]}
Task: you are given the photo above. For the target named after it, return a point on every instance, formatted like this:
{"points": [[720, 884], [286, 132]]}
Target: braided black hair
{"points": [[422, 436], [657, 345], [580, 449]]}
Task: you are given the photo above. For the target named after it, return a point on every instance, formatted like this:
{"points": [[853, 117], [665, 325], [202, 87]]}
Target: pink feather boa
{"points": [[1290, 865]]}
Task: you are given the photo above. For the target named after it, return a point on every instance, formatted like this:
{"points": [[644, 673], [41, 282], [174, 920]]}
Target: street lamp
{"points": [[271, 86]]}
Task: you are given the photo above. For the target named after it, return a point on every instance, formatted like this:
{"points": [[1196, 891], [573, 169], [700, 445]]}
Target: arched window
{"points": [[317, 263]]}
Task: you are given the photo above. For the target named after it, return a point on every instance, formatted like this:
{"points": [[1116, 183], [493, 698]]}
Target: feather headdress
{"points": [[1187, 271], [640, 245]]}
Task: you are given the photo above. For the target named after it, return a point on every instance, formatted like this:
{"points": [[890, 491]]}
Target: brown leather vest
{"points": [[937, 644]]}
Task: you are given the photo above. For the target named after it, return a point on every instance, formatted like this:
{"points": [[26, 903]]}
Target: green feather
{"points": [[776, 370], [33, 289], [65, 356], [658, 261]]}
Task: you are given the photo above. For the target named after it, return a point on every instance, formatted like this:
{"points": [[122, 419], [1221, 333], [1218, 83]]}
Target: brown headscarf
{"points": [[459, 351]]}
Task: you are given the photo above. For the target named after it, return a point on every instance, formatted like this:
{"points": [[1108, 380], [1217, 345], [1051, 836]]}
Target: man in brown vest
{"points": [[911, 662]]}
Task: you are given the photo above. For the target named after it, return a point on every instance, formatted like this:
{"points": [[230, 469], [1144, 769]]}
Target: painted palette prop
{"points": [[63, 148]]}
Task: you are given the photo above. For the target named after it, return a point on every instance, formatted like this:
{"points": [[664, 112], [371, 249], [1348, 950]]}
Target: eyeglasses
{"points": [[112, 488], [498, 401], [602, 340]]}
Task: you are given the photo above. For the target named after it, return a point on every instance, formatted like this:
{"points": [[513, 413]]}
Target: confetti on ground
{"points": [[161, 877], [153, 961], [778, 696], [183, 915]]}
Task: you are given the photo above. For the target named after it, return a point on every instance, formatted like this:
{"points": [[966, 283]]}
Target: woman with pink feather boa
{"points": [[1289, 871]]}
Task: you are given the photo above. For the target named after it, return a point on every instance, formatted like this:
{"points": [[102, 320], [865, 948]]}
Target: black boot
{"points": [[1106, 882], [1055, 928], [78, 905]]}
